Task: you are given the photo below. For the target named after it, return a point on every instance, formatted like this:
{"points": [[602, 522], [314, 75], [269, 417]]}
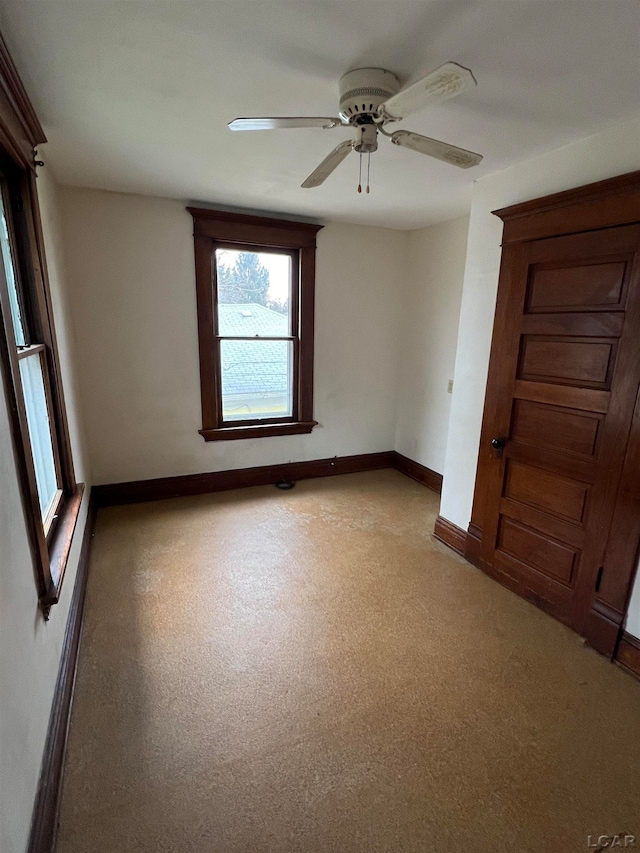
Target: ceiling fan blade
{"points": [[320, 175], [433, 148], [445, 82], [283, 123]]}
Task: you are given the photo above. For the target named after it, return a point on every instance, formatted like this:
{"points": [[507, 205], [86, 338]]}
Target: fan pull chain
{"points": [[360, 175], [368, 169]]}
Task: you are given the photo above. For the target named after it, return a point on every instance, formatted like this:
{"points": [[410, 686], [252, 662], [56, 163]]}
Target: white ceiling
{"points": [[135, 95]]}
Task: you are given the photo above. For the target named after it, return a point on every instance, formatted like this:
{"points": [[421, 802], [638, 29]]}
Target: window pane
{"points": [[9, 271], [254, 293], [257, 379], [39, 429]]}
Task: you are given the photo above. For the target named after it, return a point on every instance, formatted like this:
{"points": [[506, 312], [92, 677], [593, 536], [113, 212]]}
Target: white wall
{"points": [[29, 647], [614, 151], [429, 332], [131, 266]]}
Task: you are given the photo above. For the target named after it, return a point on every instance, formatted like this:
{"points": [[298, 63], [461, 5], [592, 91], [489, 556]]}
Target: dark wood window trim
{"points": [[20, 133], [215, 228]]}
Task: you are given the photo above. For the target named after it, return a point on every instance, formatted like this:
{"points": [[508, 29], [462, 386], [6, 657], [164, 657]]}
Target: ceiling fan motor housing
{"points": [[363, 90]]}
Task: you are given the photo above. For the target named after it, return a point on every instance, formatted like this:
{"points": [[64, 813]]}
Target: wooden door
{"points": [[564, 374]]}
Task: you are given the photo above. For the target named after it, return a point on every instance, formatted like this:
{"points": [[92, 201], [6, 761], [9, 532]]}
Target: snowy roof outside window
{"points": [[250, 319], [253, 367]]}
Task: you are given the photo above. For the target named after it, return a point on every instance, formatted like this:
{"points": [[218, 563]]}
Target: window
{"points": [[28, 354], [255, 291]]}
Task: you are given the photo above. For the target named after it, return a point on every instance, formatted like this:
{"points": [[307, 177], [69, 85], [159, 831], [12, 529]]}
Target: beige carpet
{"points": [[311, 672]]}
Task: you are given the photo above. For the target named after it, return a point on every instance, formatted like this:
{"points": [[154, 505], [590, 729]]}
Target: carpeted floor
{"points": [[311, 672]]}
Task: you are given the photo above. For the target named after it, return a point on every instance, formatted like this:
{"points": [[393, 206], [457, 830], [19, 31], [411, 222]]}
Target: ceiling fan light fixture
{"points": [[366, 140]]}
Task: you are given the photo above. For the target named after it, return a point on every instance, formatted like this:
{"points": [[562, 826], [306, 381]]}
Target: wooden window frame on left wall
{"points": [[20, 133]]}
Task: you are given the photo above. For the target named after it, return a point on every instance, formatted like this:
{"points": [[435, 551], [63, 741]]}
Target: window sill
{"points": [[60, 547], [258, 431]]}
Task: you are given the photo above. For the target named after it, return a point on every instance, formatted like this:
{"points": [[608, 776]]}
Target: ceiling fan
{"points": [[370, 99]]}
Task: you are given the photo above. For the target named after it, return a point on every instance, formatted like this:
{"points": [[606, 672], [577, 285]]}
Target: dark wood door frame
{"points": [[605, 204]]}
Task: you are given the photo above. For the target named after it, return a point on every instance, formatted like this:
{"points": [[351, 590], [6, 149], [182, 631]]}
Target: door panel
{"points": [[545, 591], [540, 551], [604, 325], [545, 490], [575, 398], [583, 362], [547, 457], [572, 432], [577, 287], [551, 525], [564, 361]]}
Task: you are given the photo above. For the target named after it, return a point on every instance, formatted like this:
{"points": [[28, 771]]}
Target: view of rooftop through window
{"points": [[255, 328]]}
